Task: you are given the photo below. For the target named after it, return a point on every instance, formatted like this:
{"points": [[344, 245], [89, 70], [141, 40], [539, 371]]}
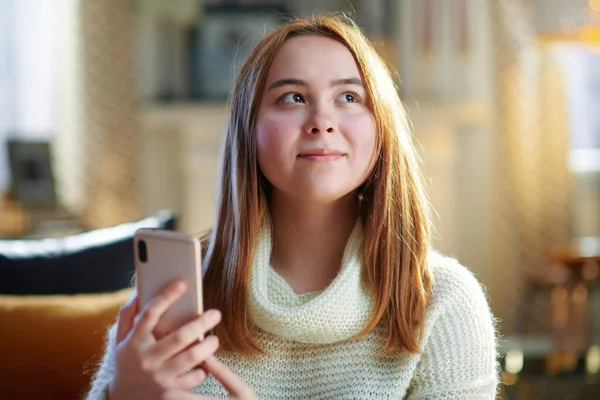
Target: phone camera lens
{"points": [[142, 251]]}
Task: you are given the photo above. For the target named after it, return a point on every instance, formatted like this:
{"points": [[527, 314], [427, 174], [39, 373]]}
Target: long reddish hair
{"points": [[393, 207]]}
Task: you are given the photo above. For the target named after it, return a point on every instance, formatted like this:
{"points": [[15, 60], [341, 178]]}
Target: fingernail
{"points": [[179, 286], [213, 315]]}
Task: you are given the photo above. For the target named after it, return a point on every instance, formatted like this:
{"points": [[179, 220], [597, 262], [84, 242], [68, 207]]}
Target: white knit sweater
{"points": [[311, 353]]}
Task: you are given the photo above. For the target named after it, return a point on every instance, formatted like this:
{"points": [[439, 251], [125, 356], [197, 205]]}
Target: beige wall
{"points": [[179, 162]]}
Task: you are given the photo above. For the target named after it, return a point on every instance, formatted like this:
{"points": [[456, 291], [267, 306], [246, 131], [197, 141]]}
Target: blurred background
{"points": [[112, 110]]}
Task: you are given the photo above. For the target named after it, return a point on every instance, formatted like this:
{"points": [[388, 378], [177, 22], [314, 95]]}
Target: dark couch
{"points": [[98, 261]]}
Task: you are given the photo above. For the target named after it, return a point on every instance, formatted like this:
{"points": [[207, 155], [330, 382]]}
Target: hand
{"points": [[146, 367], [237, 389]]}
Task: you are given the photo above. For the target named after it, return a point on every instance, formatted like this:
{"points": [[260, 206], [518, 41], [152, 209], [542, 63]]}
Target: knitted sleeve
{"points": [[459, 350], [105, 373]]}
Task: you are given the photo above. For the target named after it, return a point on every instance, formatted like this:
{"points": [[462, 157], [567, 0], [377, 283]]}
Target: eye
{"points": [[292, 98], [349, 97]]}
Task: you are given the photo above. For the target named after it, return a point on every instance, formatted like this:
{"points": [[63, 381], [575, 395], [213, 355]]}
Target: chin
{"points": [[321, 195]]}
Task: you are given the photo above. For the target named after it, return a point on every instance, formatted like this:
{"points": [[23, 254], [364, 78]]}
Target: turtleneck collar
{"points": [[337, 313]]}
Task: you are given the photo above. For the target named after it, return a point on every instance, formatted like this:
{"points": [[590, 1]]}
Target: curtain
{"points": [[98, 143], [532, 182]]}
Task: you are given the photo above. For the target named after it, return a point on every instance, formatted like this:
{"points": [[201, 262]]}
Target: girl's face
{"points": [[315, 131]]}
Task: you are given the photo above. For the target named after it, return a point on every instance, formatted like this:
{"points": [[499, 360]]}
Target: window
{"points": [[27, 74]]}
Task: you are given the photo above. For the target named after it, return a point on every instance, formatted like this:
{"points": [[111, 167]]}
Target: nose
{"points": [[320, 121], [317, 130]]}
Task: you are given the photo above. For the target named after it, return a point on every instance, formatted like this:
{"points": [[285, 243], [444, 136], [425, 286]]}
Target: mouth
{"points": [[321, 155]]}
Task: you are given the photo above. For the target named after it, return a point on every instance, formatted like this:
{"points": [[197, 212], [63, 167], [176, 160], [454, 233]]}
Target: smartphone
{"points": [[162, 256]]}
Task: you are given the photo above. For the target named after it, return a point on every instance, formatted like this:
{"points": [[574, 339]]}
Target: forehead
{"points": [[313, 56]]}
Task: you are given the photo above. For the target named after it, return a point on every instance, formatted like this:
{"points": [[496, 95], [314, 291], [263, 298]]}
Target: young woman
{"points": [[319, 262]]}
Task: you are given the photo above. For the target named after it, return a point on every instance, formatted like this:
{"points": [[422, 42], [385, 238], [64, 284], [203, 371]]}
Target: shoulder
{"points": [[458, 358], [452, 283], [457, 297]]}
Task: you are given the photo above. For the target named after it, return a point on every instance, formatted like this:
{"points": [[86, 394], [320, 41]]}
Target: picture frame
{"points": [[32, 180]]}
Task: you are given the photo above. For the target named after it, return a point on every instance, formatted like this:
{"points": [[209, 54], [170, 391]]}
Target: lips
{"points": [[321, 153]]}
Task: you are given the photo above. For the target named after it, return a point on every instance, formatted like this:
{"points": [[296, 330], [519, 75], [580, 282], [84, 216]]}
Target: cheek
{"points": [[274, 140], [267, 132], [362, 135]]}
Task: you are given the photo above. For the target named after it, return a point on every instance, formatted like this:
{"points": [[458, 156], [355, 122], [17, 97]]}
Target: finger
{"points": [[154, 310], [229, 379], [192, 379], [177, 341], [126, 318], [192, 357]]}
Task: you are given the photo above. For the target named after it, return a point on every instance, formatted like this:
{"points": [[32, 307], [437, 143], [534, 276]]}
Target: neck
{"points": [[310, 240]]}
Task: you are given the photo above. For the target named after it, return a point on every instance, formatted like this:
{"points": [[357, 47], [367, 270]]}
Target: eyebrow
{"points": [[300, 82]]}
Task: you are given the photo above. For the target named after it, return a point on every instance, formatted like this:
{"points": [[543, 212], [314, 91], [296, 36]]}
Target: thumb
{"points": [[126, 318], [231, 382]]}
